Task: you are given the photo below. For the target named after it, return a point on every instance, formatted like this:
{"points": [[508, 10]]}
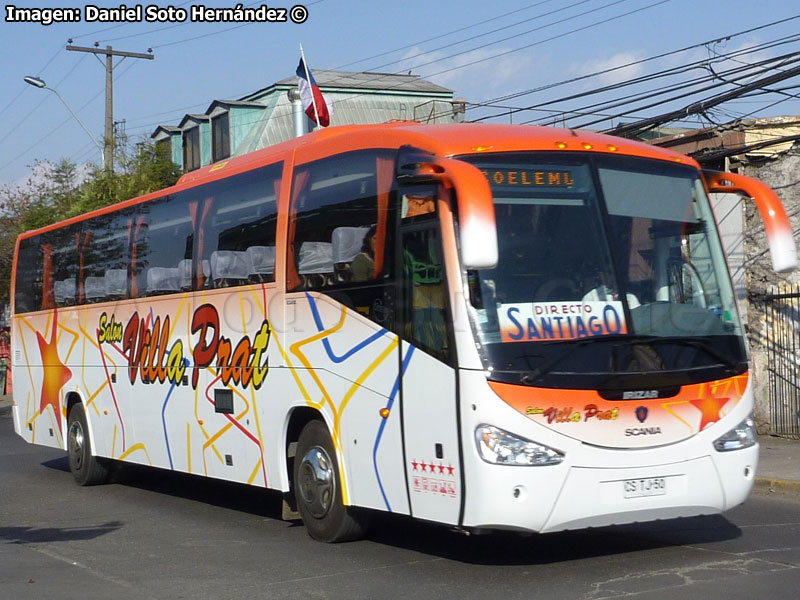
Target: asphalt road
{"points": [[154, 534]]}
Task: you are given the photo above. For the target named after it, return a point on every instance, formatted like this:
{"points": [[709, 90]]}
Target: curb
{"points": [[777, 487]]}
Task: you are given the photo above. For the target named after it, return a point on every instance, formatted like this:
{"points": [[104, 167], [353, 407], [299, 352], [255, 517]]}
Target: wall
{"points": [[782, 174]]}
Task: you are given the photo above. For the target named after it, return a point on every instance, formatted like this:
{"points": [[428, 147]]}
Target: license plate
{"points": [[651, 486]]}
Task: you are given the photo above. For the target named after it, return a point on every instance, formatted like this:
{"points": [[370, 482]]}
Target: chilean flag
{"points": [[309, 89]]}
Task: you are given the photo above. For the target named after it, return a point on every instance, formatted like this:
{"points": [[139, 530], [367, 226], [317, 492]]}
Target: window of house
{"points": [[191, 149], [220, 137]]}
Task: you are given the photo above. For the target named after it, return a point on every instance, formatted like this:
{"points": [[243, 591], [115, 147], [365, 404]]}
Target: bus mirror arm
{"points": [[476, 220], [776, 222]]}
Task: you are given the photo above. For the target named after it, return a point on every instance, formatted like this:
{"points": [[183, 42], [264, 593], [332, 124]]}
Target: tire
{"points": [[318, 490], [86, 468]]}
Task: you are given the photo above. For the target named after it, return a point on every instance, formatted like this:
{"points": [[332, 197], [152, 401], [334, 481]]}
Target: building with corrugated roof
{"points": [[268, 116]]}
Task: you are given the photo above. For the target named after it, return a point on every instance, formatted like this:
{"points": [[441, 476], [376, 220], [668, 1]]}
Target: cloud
{"points": [[474, 75], [612, 62]]}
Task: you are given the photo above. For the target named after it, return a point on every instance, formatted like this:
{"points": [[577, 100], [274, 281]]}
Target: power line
{"points": [[561, 35], [110, 53], [707, 88], [659, 92], [639, 96], [94, 33], [408, 58], [705, 104], [627, 65], [60, 125], [42, 101], [196, 37], [554, 113], [781, 101], [416, 43], [636, 98], [710, 68], [550, 39], [454, 31], [482, 46], [378, 78], [25, 87], [288, 114]]}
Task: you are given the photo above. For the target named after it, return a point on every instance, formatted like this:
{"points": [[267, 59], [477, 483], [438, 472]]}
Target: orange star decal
{"points": [[709, 407], [56, 374]]}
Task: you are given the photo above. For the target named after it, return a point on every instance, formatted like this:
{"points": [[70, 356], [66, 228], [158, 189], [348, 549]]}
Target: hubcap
{"points": [[317, 482], [76, 444]]}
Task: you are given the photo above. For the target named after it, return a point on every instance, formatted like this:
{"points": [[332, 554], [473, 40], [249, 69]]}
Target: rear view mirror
{"points": [[477, 229], [782, 248]]}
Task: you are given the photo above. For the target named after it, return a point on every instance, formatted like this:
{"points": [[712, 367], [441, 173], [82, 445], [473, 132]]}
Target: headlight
{"points": [[741, 436], [503, 448]]}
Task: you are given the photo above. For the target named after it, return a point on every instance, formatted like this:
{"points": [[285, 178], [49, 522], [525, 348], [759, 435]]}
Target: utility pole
{"points": [[108, 142]]}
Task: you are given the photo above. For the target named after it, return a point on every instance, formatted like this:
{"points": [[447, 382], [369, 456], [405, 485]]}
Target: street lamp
{"points": [[39, 83]]}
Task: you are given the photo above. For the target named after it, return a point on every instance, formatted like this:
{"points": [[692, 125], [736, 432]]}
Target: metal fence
{"points": [[783, 356]]}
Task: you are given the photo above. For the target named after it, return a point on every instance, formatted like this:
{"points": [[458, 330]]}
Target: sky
{"points": [[484, 51]]}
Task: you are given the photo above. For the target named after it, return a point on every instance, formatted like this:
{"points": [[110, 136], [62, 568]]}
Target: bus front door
{"points": [[430, 419]]}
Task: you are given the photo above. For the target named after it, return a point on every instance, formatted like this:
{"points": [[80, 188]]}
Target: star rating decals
{"points": [[433, 467]]}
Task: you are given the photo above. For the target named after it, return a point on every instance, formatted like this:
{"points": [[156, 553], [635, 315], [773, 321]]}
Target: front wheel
{"points": [[86, 468], [318, 490]]}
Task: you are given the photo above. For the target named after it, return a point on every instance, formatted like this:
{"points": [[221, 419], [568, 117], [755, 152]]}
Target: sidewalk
{"points": [[778, 466]]}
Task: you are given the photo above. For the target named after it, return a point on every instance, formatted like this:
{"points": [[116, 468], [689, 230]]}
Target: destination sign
{"points": [[529, 178]]}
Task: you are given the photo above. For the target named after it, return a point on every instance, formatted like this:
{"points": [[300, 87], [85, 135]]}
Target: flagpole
{"points": [[308, 78]]}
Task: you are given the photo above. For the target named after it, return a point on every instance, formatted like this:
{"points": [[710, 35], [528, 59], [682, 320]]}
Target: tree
{"points": [[57, 192], [44, 199], [147, 170]]}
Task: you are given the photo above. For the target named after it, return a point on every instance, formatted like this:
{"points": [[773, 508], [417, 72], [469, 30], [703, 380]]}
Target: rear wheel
{"points": [[86, 468], [318, 490]]}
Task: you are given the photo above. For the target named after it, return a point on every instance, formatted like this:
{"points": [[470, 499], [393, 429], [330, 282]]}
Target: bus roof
{"points": [[441, 140]]}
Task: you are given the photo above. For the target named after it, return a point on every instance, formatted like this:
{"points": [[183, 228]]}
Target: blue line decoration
{"points": [[358, 347], [392, 396], [339, 359], [172, 386]]}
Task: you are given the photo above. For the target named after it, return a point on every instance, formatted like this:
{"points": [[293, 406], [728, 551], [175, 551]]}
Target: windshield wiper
{"points": [[726, 361], [537, 373]]}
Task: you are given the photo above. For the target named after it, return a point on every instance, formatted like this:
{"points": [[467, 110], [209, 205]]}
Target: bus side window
{"points": [[238, 219], [341, 231], [425, 321], [103, 256], [164, 236], [28, 285]]}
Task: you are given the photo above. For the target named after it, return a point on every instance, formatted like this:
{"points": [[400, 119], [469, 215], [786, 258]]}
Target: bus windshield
{"points": [[610, 275]]}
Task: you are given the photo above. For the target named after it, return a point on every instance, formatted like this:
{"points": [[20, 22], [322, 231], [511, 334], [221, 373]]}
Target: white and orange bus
{"points": [[477, 325]]}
